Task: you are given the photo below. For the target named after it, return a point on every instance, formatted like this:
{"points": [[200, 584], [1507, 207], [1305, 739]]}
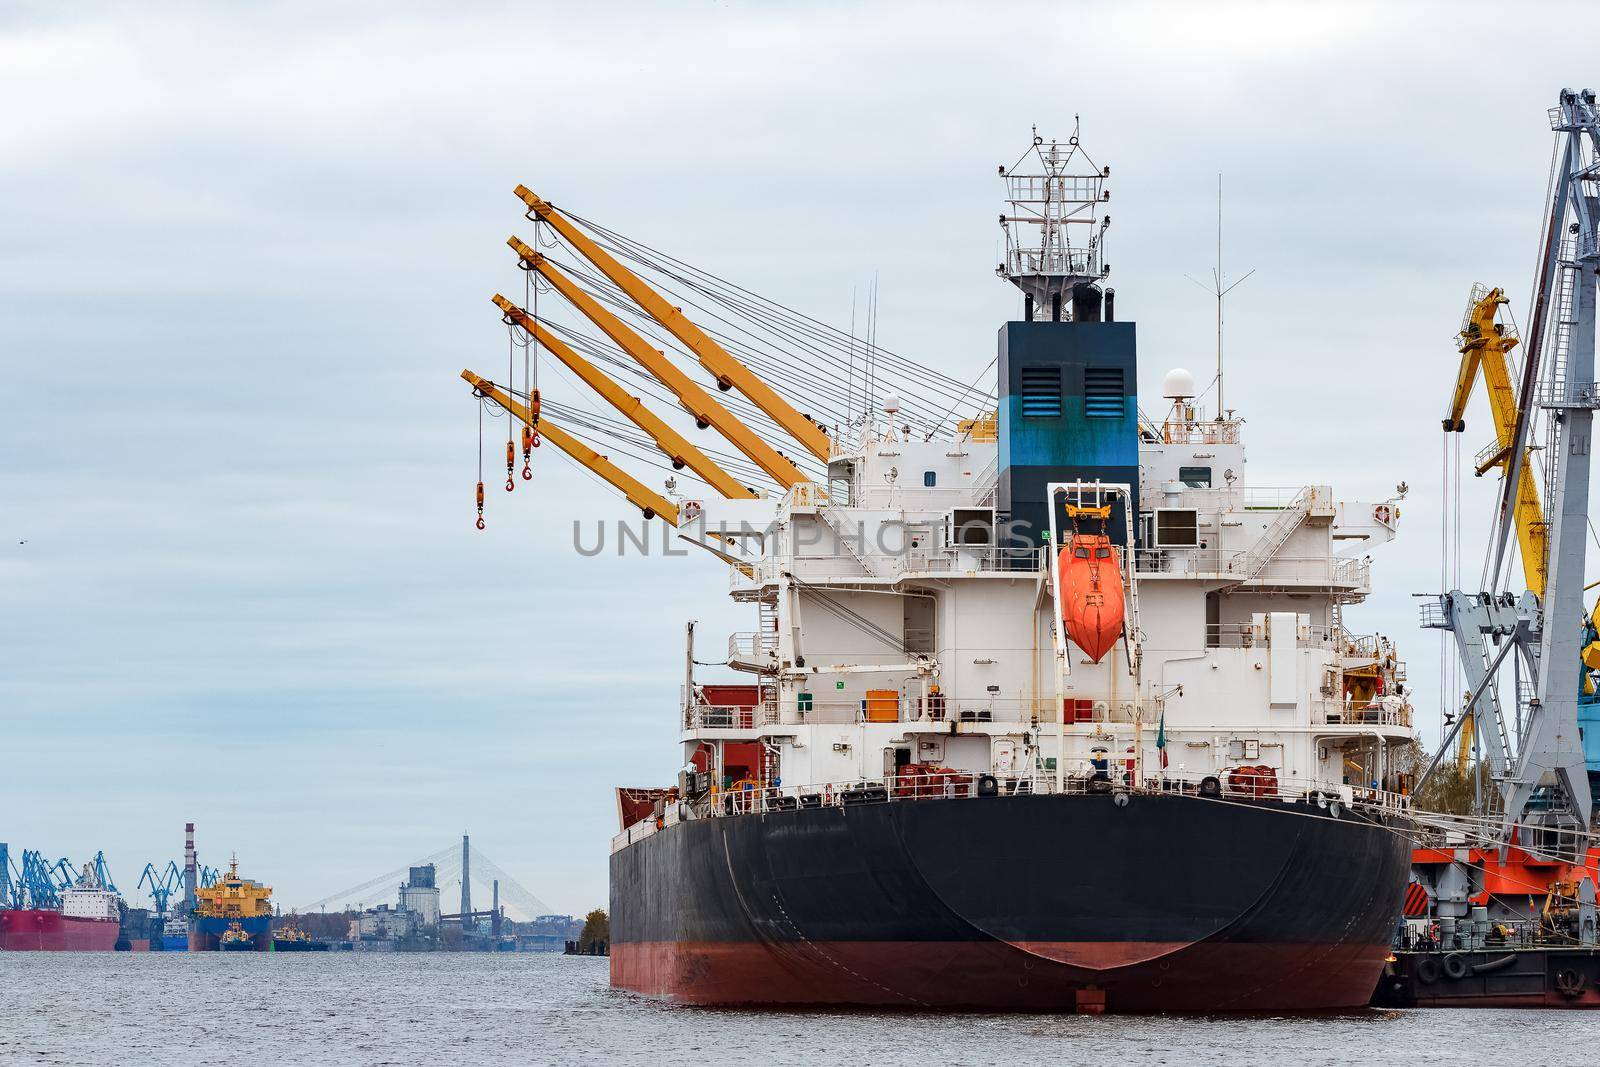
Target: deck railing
{"points": [[1085, 780]]}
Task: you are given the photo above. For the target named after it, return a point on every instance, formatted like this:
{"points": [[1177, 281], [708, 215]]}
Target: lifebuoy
{"points": [[1455, 967], [1381, 513]]}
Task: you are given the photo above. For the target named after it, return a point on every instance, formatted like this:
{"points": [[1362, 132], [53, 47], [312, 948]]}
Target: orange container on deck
{"points": [[882, 705]]}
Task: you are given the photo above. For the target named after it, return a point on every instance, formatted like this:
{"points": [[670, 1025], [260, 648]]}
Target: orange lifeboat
{"points": [[1090, 571]]}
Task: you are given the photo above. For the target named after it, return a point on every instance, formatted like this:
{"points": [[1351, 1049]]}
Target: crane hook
{"points": [[511, 466], [480, 505]]}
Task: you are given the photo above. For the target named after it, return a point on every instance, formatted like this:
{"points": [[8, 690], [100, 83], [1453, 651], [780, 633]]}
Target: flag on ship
{"points": [[1161, 739]]}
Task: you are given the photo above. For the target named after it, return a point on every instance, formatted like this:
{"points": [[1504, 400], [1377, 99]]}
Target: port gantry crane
{"points": [[730, 374], [1536, 749]]}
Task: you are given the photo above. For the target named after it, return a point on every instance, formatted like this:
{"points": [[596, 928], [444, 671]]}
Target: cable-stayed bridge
{"points": [[521, 905]]}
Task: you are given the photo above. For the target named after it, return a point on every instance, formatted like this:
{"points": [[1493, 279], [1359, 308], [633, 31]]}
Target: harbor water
{"points": [[337, 1009]]}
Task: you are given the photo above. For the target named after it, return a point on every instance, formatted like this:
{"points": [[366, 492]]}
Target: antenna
{"points": [[850, 381], [1220, 289]]}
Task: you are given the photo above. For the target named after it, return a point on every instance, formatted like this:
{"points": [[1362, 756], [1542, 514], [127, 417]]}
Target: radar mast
{"points": [[1053, 193]]}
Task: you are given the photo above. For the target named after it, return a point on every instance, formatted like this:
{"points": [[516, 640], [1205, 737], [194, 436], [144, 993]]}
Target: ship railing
{"points": [[953, 560], [1054, 188], [1421, 935], [1286, 570], [1245, 635], [719, 717], [1082, 777], [752, 645], [975, 559], [805, 495], [1215, 432], [1083, 262], [1360, 713], [1225, 497], [939, 709]]}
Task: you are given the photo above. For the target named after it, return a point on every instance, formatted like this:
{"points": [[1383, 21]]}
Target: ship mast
{"points": [[1052, 192]]}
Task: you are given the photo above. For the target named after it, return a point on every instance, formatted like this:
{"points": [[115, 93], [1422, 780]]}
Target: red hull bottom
{"points": [[27, 930], [996, 976]]}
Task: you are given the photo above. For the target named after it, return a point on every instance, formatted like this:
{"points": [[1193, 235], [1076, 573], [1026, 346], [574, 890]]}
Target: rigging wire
{"points": [[587, 347], [817, 387], [735, 296], [587, 344]]}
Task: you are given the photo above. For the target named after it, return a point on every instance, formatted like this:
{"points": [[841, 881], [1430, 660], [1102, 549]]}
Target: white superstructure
{"points": [[87, 898], [895, 626]]}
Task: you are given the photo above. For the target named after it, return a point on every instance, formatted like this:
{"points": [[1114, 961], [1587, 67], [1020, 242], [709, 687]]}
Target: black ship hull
{"points": [[1045, 903]]}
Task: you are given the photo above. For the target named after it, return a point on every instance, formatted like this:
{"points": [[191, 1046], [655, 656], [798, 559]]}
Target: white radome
{"points": [[1178, 384]]}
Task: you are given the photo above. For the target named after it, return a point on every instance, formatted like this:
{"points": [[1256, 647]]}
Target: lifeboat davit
{"points": [[1090, 569]]}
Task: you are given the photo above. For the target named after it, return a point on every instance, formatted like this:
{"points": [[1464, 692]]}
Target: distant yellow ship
{"points": [[235, 914]]}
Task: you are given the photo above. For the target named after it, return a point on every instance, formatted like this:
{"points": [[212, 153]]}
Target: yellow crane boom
{"points": [[638, 494], [1485, 346], [727, 369], [699, 403], [670, 441]]}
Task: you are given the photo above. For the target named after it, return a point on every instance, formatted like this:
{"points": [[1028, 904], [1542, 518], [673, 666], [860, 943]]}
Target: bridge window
{"points": [[1195, 477]]}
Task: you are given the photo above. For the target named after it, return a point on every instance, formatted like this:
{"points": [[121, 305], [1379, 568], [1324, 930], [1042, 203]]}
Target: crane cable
{"points": [[630, 249], [798, 330]]}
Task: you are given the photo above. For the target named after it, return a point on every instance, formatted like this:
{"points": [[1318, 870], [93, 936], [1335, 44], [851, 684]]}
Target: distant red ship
{"points": [[88, 920]]}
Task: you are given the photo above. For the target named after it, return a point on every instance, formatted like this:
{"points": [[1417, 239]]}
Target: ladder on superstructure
{"points": [[1248, 565]]}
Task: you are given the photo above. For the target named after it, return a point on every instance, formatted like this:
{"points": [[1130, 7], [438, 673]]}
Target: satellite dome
{"points": [[1178, 384], [891, 404]]}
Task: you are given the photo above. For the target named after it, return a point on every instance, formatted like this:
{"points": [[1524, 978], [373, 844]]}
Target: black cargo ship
{"points": [[1132, 903]]}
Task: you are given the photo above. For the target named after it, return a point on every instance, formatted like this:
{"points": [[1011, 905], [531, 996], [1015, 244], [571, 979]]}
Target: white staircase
{"points": [[826, 515], [1248, 565]]}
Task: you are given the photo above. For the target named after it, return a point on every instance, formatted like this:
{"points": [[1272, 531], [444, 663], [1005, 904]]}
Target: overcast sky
{"points": [[245, 252]]}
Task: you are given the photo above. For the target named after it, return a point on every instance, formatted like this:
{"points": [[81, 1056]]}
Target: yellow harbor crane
{"points": [[729, 372], [707, 412], [1485, 345], [638, 494], [676, 447], [699, 403]]}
